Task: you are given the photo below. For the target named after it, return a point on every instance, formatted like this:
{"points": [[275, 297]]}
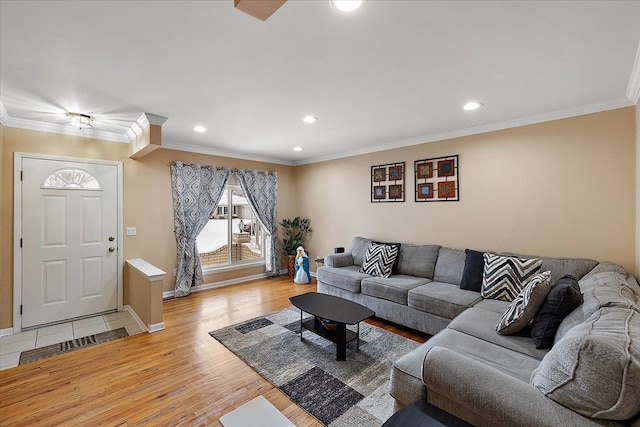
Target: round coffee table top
{"points": [[332, 308]]}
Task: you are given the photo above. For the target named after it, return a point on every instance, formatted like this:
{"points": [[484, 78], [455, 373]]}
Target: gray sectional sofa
{"points": [[591, 375]]}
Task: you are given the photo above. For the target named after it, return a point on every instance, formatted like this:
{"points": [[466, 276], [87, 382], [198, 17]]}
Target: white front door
{"points": [[69, 240]]}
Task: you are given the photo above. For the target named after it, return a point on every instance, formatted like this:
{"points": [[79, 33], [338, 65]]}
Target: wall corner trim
{"points": [[633, 90]]}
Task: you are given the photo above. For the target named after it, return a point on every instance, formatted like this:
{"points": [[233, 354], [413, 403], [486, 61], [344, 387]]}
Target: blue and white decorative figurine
{"points": [[302, 275]]}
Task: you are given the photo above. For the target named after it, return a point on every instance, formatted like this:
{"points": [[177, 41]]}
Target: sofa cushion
{"points": [[481, 324], [449, 266], [442, 299], [577, 267], [526, 305], [379, 259], [418, 260], [347, 278], [559, 267], [512, 363], [472, 272], [493, 305], [358, 249], [595, 368], [394, 288], [563, 298], [505, 277], [608, 288], [338, 260]]}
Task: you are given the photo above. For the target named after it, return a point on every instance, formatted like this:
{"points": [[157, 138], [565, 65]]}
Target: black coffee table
{"points": [[334, 309]]}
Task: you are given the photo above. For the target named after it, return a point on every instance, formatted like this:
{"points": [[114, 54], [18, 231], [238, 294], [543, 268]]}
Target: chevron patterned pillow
{"points": [[504, 277], [524, 308], [379, 259]]}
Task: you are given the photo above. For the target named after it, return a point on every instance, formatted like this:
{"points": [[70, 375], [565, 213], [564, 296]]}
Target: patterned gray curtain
{"points": [[261, 190], [196, 192]]}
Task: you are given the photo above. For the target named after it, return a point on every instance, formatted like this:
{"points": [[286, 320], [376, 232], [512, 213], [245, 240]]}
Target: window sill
{"points": [[222, 268]]}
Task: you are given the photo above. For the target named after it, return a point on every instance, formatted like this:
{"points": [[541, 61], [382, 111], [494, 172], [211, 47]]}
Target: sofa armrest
{"points": [[339, 260], [501, 399]]}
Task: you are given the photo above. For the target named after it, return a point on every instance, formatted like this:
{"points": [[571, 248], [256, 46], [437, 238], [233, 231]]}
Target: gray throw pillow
{"points": [[595, 368], [523, 309]]}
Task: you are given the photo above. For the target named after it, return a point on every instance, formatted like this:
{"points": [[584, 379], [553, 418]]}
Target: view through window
{"points": [[233, 234]]}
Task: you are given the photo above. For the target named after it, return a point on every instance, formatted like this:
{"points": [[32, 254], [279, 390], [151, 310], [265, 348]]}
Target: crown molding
{"points": [[3, 115], [63, 129], [508, 124], [223, 153], [141, 124], [136, 129], [633, 90]]}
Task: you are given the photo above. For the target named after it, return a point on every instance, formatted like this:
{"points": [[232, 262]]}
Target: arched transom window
{"points": [[71, 179]]}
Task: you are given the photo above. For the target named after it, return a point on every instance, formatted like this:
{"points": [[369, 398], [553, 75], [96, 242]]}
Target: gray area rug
{"points": [[349, 393], [71, 345]]}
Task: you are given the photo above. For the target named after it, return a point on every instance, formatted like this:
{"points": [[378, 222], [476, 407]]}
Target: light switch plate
{"points": [[131, 231]]}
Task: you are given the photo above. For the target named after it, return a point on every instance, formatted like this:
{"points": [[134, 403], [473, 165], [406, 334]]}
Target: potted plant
{"points": [[295, 232]]}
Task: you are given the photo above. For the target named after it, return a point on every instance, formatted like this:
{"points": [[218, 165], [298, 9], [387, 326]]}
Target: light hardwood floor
{"points": [[179, 376]]}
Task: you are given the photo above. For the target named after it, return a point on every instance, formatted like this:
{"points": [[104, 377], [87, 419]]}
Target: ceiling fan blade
{"points": [[261, 9]]}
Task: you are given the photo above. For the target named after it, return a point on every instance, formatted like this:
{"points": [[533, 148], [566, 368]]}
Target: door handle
{"points": [[111, 238], [111, 249]]}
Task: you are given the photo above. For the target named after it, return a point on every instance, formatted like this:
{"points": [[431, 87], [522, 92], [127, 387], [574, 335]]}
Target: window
{"points": [[71, 179], [231, 239]]}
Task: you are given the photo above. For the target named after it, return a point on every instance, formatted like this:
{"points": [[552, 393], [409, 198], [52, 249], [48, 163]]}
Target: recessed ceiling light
{"points": [[297, 148], [200, 128], [472, 105], [310, 119], [346, 5]]}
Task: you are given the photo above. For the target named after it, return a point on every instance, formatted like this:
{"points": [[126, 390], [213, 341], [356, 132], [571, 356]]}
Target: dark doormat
{"points": [[71, 345]]}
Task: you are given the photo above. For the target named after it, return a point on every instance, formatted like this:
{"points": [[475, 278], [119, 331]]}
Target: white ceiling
{"points": [[395, 73]]}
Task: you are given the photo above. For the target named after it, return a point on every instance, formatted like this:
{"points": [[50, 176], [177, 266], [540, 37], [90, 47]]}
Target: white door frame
{"points": [[17, 226]]}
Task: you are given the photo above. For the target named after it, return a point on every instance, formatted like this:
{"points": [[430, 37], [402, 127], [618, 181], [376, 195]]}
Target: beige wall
{"points": [[149, 207], [560, 188], [147, 200]]}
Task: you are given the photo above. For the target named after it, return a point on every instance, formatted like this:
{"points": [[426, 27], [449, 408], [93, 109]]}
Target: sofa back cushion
{"points": [[418, 260], [595, 368], [449, 266], [605, 289], [358, 249], [559, 267]]}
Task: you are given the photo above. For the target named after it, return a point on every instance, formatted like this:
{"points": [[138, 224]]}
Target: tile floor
{"points": [[12, 345]]}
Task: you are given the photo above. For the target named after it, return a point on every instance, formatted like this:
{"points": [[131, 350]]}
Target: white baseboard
{"points": [[135, 316], [170, 294], [5, 332], [156, 327]]}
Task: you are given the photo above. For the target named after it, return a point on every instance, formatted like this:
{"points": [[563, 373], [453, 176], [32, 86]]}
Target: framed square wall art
{"points": [[387, 182], [437, 179]]}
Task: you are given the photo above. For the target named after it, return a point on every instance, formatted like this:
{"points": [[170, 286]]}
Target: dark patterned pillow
{"points": [[504, 277], [523, 309], [379, 259]]}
